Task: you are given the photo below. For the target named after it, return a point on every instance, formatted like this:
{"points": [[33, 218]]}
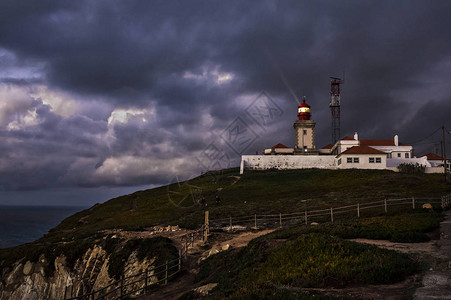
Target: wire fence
{"points": [[259, 221], [141, 282]]}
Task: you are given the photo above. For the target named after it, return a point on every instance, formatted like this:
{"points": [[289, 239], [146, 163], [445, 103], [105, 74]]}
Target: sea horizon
{"points": [[21, 224]]}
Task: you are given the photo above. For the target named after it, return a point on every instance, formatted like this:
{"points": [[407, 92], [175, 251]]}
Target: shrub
{"points": [[307, 260], [411, 168]]}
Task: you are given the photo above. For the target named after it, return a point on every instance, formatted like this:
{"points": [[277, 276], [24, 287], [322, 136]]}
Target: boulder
{"points": [[28, 268], [205, 289]]}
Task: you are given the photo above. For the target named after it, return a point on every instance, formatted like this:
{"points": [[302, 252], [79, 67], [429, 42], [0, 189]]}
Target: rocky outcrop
{"points": [[27, 280]]}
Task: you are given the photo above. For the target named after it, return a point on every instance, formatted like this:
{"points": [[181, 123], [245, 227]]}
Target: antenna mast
{"points": [[335, 107]]}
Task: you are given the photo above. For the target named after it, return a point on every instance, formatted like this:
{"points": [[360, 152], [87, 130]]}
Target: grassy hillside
{"points": [[253, 192], [280, 264]]}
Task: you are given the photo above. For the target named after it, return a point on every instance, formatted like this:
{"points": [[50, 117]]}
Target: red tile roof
{"points": [[433, 156], [279, 145], [379, 143], [328, 146], [362, 150], [348, 138]]}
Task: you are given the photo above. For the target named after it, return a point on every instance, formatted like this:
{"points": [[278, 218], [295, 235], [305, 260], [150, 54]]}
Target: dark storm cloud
{"points": [[188, 69]]}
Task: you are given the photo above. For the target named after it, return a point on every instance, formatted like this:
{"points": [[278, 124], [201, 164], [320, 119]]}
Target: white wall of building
{"points": [[378, 161], [395, 162], [279, 151], [434, 170], [286, 162], [395, 150], [343, 145]]}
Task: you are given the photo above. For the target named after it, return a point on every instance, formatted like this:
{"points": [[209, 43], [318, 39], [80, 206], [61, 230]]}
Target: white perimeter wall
{"points": [[395, 162], [434, 170], [285, 162]]}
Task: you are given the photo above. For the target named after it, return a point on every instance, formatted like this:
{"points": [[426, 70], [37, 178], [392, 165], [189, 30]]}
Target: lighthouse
{"points": [[304, 129]]}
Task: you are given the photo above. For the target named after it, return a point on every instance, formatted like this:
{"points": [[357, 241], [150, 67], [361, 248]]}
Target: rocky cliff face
{"points": [[27, 280]]}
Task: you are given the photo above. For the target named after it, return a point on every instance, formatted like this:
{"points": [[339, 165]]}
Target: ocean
{"points": [[24, 224]]}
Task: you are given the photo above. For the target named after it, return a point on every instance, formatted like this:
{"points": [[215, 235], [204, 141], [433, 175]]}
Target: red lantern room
{"points": [[304, 111]]}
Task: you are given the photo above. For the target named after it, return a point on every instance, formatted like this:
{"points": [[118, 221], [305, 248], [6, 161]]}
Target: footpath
{"points": [[437, 280]]}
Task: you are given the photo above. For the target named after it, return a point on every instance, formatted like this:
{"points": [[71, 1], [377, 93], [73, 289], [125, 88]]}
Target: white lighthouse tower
{"points": [[304, 129]]}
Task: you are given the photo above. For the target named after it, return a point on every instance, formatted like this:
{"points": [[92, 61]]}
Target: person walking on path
{"points": [[203, 203]]}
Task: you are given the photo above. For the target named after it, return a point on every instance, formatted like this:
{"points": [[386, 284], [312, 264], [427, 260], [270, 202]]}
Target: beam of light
{"points": [[276, 68]]}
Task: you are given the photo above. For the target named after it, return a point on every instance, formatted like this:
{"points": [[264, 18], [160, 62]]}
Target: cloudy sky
{"points": [[103, 98]]}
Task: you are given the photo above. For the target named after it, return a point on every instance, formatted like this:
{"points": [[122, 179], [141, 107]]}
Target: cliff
{"points": [[96, 268]]}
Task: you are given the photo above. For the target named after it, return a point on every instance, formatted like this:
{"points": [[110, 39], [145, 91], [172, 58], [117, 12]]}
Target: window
{"points": [[388, 155], [371, 160], [407, 155], [356, 160], [349, 160], [399, 154], [339, 161], [305, 132], [378, 160]]}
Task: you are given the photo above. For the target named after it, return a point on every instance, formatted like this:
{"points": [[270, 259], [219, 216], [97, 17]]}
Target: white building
{"points": [[362, 157], [347, 153]]}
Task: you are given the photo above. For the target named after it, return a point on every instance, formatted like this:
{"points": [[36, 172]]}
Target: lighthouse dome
{"points": [[304, 111]]}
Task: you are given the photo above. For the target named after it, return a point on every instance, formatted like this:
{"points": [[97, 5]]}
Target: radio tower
{"points": [[335, 107]]}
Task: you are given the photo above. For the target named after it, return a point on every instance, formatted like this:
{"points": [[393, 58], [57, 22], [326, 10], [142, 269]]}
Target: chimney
{"points": [[356, 136], [395, 140]]}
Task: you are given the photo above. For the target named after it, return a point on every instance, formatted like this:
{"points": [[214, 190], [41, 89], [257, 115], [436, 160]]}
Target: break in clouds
{"points": [[134, 93]]}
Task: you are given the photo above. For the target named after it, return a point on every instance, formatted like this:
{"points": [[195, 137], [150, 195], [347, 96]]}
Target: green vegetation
{"points": [[403, 228], [317, 256], [254, 192], [411, 168], [270, 292], [308, 260]]}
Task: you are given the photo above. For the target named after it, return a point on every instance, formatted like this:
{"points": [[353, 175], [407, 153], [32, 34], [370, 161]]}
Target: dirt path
{"points": [[185, 282], [437, 280], [409, 248]]}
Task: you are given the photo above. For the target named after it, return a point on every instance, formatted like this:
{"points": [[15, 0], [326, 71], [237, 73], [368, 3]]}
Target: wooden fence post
{"points": [[280, 219], [230, 223], [413, 202], [166, 274], [385, 205], [358, 210], [306, 222], [207, 222], [255, 221], [180, 260], [122, 287], [331, 215], [147, 279]]}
